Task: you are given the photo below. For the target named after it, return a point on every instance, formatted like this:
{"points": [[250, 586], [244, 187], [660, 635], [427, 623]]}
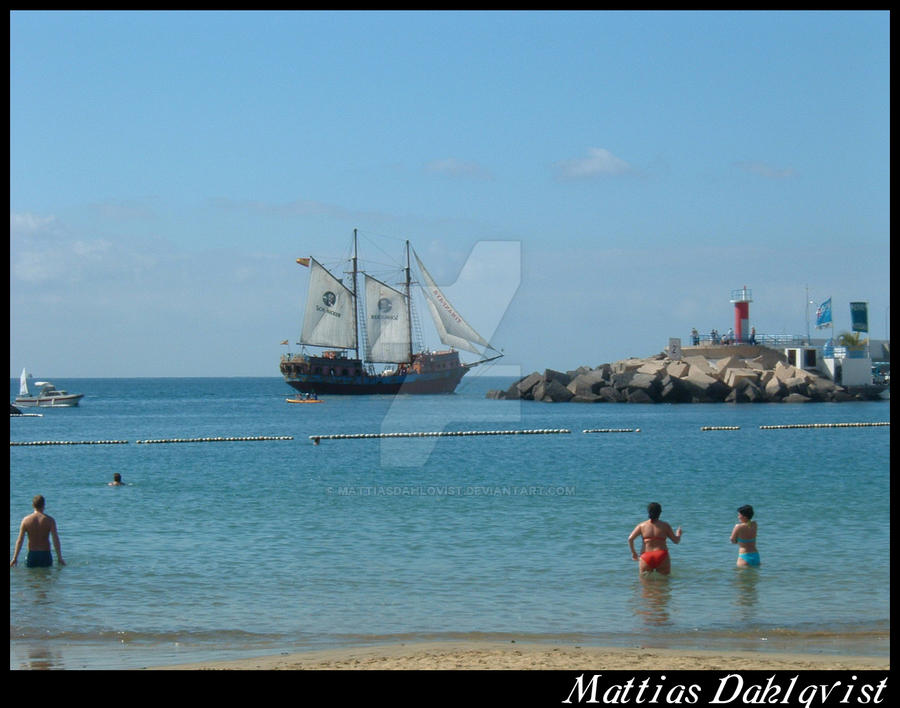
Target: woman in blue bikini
{"points": [[744, 534]]}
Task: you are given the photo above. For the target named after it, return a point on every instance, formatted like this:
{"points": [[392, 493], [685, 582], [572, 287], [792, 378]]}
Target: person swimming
{"points": [[744, 534], [654, 534]]}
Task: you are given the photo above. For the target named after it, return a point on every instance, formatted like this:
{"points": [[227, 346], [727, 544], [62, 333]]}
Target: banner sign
{"points": [[859, 316], [823, 314]]}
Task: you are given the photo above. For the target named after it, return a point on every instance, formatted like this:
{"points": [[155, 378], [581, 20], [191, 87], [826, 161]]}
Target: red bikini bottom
{"points": [[654, 559]]}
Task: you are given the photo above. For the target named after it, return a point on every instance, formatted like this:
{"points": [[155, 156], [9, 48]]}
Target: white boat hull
{"points": [[67, 401]]}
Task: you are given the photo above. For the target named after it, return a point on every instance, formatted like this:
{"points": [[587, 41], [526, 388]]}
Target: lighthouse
{"points": [[741, 299]]}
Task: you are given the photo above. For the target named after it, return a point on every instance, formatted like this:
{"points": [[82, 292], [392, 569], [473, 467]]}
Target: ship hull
{"points": [[438, 372], [442, 382]]}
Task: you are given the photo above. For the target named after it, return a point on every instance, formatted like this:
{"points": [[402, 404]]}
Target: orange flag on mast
{"points": [[303, 261]]}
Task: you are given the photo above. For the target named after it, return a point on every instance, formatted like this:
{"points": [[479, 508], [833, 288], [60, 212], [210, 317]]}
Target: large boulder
{"points": [[558, 376], [652, 368], [622, 380], [611, 394], [524, 386], [746, 390], [822, 389], [605, 370], [677, 369], [768, 358], [775, 388], [785, 371], [735, 376], [754, 392], [586, 398], [648, 384], [627, 365], [796, 398], [841, 396], [701, 364], [588, 382], [552, 391], [729, 362], [704, 388], [673, 390], [638, 395], [797, 384]]}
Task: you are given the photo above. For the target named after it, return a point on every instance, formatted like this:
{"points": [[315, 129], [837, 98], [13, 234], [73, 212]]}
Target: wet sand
{"points": [[467, 656]]}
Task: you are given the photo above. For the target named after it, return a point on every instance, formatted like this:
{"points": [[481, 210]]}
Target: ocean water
{"points": [[220, 550]]}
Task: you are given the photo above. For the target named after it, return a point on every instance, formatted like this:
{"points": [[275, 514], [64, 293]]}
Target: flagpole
{"points": [[808, 337]]}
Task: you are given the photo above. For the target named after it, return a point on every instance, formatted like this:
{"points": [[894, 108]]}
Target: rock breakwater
{"points": [[750, 375]]}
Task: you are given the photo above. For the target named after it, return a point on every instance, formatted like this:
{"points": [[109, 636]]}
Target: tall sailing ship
{"points": [[384, 336]]}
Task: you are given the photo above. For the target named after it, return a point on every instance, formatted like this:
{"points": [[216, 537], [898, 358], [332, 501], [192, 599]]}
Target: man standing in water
{"points": [[40, 528]]}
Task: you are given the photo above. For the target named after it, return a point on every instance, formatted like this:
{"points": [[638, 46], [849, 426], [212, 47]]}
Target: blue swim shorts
{"points": [[38, 559]]}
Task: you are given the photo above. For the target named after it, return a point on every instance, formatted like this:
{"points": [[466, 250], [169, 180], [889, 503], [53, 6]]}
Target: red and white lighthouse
{"points": [[741, 299]]}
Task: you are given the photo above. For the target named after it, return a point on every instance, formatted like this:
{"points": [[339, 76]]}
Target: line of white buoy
{"points": [[71, 442], [237, 439], [822, 425], [442, 434], [438, 434], [613, 430]]}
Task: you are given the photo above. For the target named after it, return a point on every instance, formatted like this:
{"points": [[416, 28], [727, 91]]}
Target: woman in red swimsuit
{"points": [[654, 533]]}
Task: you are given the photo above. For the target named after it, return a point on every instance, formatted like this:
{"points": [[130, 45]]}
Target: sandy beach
{"points": [[514, 656]]}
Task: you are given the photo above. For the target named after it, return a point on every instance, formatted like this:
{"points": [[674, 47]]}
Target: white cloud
{"points": [[48, 252], [299, 208], [765, 170], [599, 161], [454, 167], [27, 223]]}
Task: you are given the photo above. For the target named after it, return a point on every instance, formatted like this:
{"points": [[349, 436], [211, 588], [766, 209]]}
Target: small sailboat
{"points": [[48, 396], [384, 336]]}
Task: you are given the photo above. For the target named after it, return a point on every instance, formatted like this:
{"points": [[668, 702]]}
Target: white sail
{"points": [[23, 383], [330, 318], [387, 323], [453, 330]]}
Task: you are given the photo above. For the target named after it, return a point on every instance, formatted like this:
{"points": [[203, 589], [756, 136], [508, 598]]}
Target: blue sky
{"points": [[166, 170]]}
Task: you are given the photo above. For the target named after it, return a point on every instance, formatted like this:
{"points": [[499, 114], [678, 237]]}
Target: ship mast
{"points": [[355, 299], [408, 306]]}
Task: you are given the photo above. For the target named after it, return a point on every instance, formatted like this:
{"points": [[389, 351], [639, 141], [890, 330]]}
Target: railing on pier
{"points": [[775, 341], [779, 341]]}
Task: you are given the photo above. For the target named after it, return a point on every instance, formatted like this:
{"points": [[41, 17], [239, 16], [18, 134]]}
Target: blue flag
{"points": [[823, 314], [859, 316]]}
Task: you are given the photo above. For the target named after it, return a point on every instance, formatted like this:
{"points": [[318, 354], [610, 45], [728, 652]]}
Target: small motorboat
{"points": [[304, 400], [48, 396]]}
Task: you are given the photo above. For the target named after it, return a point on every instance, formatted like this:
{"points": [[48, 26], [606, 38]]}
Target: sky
{"points": [[620, 172]]}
